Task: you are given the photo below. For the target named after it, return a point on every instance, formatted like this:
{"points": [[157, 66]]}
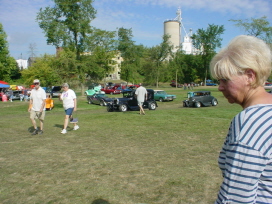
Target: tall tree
{"points": [[67, 24], [159, 56], [258, 27], [206, 42], [8, 66], [44, 69], [131, 53]]}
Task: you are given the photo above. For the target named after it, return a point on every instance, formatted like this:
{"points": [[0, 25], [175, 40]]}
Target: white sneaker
{"points": [[63, 131], [76, 127]]}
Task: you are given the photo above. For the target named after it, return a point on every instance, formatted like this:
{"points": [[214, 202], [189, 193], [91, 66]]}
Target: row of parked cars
{"points": [[129, 100]]}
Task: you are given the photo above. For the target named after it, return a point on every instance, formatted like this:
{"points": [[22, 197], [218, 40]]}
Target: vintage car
{"points": [[200, 98], [161, 95], [129, 102], [95, 88], [55, 91], [99, 99], [123, 89], [110, 90], [174, 84]]}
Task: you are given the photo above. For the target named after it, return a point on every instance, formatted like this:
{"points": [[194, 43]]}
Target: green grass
{"points": [[166, 156]]}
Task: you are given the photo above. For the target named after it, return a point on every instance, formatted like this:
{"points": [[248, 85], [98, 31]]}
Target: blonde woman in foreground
{"points": [[245, 159]]}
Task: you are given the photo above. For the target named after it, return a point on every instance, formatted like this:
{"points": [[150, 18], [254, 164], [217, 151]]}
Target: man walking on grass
{"points": [[141, 94], [36, 106]]}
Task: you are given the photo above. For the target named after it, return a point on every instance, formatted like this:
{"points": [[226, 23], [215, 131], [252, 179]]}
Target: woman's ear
{"points": [[251, 76]]}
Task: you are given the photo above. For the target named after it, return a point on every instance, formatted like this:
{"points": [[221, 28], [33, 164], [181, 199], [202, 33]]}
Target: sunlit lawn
{"points": [[166, 156]]}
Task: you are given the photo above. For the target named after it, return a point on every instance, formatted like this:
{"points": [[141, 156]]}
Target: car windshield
{"points": [[161, 92], [127, 94]]}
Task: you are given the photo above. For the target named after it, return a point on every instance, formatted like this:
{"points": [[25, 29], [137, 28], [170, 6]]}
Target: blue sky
{"points": [[145, 17]]}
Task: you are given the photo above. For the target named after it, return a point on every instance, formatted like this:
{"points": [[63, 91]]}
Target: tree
{"points": [[131, 54], [258, 27], [44, 70], [67, 24], [159, 56], [8, 66], [206, 42]]}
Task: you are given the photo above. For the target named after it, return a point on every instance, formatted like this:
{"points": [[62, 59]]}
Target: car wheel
{"points": [[102, 103], [160, 99], [214, 102], [123, 108], [184, 104], [152, 106], [89, 101], [111, 93], [197, 104], [109, 109]]}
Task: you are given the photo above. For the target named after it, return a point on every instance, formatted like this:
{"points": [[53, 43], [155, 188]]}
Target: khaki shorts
{"points": [[37, 115]]}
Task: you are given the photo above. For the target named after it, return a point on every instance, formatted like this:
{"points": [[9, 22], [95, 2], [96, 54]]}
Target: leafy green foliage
{"points": [[156, 70], [8, 66], [206, 41], [67, 24], [43, 70], [258, 27]]}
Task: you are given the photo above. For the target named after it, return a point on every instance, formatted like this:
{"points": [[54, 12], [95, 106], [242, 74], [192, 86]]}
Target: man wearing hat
{"points": [[37, 106]]}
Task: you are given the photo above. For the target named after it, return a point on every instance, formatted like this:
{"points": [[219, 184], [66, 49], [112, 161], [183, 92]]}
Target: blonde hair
{"points": [[243, 52]]}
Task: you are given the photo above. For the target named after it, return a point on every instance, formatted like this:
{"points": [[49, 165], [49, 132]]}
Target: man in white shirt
{"points": [[36, 106], [68, 97], [141, 94]]}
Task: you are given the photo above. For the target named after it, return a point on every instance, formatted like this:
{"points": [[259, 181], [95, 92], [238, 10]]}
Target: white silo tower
{"points": [[172, 28]]}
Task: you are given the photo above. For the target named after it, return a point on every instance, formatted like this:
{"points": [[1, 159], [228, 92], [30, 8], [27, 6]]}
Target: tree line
{"points": [[87, 52]]}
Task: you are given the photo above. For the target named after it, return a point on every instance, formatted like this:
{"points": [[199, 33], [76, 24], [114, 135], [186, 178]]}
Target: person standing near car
{"points": [[10, 93], [37, 106], [69, 99], [141, 94], [246, 156]]}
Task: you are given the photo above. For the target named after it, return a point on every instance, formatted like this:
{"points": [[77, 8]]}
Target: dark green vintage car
{"points": [[200, 98], [161, 95]]}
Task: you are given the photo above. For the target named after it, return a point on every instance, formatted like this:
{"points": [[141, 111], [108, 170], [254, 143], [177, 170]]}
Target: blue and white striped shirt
{"points": [[246, 158]]}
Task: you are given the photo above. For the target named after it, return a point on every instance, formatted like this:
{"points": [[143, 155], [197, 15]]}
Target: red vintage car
{"points": [[110, 90]]}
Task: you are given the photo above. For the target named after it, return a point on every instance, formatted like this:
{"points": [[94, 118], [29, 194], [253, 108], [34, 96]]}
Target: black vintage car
{"points": [[129, 102], [99, 99], [200, 98]]}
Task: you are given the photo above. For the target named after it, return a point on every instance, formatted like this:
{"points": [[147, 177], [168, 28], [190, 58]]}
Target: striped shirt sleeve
{"points": [[245, 159]]}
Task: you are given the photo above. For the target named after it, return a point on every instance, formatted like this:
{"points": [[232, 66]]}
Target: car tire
{"points": [[197, 104], [111, 93], [109, 109], [123, 108], [185, 104], [161, 99], [214, 102], [89, 101], [152, 106], [102, 103]]}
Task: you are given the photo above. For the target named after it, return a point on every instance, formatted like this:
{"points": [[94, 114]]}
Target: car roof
{"points": [[158, 90]]}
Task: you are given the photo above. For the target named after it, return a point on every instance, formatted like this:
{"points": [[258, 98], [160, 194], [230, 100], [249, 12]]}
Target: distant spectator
{"points": [[25, 94], [10, 92], [185, 86]]}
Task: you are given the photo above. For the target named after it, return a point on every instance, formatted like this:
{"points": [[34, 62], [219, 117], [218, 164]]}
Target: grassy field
{"points": [[168, 156]]}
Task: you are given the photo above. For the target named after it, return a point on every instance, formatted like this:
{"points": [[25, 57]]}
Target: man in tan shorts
{"points": [[36, 106]]}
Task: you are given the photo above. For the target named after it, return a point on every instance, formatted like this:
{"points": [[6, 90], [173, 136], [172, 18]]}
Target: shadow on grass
{"points": [[100, 201]]}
